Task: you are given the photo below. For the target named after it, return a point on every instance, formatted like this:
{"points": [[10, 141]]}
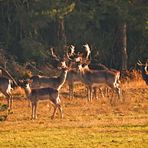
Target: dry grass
{"points": [[96, 124]]}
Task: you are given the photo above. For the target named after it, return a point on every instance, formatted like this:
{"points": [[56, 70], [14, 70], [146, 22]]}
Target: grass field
{"points": [[85, 125]]}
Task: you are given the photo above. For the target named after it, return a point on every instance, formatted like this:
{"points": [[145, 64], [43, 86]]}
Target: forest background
{"points": [[116, 30]]}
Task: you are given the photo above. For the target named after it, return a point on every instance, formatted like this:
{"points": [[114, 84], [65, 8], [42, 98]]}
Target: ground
{"points": [[85, 124]]}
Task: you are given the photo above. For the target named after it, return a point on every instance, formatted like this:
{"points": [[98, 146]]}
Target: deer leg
{"points": [[11, 102], [101, 92], [91, 93], [60, 109], [95, 93], [32, 116], [35, 110], [54, 112], [8, 102], [88, 93], [34, 107], [70, 91], [29, 104], [118, 91]]}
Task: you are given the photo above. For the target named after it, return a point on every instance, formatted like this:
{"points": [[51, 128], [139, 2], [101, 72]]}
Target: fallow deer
{"points": [[38, 94], [96, 66], [94, 78], [7, 83], [6, 90], [55, 82]]}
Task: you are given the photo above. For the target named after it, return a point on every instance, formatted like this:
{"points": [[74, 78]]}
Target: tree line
{"points": [[116, 30]]}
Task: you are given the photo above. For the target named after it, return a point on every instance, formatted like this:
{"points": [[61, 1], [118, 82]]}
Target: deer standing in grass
{"points": [[95, 78], [6, 88], [50, 91], [97, 66], [39, 94]]}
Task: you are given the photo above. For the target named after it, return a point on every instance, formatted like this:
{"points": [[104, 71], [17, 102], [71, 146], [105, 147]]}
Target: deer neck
{"points": [[62, 78], [27, 89]]}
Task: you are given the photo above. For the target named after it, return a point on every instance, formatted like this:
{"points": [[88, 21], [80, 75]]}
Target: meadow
{"points": [[85, 124]]}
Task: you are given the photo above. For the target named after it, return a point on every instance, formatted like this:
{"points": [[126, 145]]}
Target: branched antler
{"points": [[53, 54], [87, 48]]}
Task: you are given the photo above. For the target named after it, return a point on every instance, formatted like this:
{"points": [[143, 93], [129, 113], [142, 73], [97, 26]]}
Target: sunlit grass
{"points": [[85, 125], [111, 136]]}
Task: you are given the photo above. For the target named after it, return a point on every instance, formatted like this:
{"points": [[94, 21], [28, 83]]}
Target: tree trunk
{"points": [[123, 38], [61, 33]]}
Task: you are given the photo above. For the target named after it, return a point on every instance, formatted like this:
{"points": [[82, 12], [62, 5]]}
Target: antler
{"points": [[139, 63], [71, 53], [53, 54], [72, 49], [87, 48]]}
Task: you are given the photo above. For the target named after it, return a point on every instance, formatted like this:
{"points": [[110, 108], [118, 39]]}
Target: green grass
{"points": [[79, 137]]}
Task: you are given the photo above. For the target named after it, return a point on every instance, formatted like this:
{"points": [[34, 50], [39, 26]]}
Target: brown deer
{"points": [[95, 78], [45, 88], [55, 82], [38, 94], [6, 90], [7, 83]]}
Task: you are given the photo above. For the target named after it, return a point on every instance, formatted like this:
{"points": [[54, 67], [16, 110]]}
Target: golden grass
{"points": [[85, 124]]}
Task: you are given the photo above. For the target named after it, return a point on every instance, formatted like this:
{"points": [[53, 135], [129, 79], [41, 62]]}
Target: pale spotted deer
{"points": [[38, 94], [95, 78], [55, 82]]}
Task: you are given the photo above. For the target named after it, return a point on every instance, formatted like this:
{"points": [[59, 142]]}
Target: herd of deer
{"points": [[74, 68]]}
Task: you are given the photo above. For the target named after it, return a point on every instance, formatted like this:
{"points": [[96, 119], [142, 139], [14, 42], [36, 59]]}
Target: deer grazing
{"points": [[144, 70], [95, 78]]}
